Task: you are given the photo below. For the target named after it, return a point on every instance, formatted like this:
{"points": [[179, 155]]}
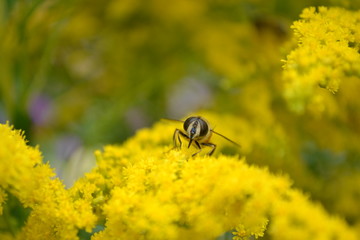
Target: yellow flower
{"points": [[144, 189], [55, 213], [159, 193], [295, 217], [326, 55]]}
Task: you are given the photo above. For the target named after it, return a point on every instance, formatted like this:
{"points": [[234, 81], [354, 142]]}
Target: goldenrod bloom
{"points": [[159, 193], [145, 190], [327, 54], [55, 213]]}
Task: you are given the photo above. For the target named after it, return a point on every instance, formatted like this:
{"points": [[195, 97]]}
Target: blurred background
{"points": [[76, 75]]}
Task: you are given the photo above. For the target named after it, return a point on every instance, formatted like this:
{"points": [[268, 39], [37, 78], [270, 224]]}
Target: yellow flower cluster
{"points": [[55, 213], [144, 189], [327, 54], [202, 197]]}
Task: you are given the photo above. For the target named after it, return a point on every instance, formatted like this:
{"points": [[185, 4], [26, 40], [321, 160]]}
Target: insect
{"points": [[198, 132]]}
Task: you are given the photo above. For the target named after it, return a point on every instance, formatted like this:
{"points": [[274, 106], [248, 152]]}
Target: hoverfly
{"points": [[198, 132]]}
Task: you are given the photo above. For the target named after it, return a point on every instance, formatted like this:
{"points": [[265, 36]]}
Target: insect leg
{"points": [[177, 139], [213, 146], [197, 144]]}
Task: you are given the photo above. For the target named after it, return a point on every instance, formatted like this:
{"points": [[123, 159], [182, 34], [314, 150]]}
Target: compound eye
{"points": [[204, 128], [188, 121]]}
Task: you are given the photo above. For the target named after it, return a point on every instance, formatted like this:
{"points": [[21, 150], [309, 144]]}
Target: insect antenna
{"points": [[173, 120], [226, 138]]}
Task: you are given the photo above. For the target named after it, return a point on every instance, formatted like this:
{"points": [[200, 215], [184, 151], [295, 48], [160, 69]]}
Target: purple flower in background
{"points": [[40, 109]]}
